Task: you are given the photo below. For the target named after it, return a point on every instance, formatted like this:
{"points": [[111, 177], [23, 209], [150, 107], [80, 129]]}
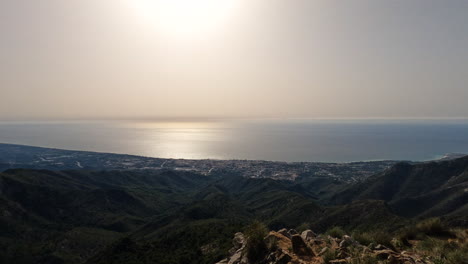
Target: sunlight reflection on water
{"points": [[269, 140]]}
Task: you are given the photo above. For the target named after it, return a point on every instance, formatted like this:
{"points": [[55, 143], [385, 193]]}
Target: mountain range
{"points": [[181, 216]]}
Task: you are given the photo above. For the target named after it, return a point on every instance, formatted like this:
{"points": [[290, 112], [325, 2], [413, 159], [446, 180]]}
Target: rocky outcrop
{"points": [[299, 247], [288, 247], [308, 235], [237, 252]]}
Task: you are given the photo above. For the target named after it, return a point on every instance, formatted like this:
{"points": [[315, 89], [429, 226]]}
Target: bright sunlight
{"points": [[184, 17]]}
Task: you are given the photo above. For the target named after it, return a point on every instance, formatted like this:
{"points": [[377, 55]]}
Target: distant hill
{"points": [[139, 216], [418, 190]]}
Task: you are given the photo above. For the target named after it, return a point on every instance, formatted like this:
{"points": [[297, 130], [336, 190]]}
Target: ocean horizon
{"points": [[292, 140]]}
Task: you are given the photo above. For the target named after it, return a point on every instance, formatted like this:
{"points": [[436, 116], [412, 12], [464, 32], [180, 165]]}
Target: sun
{"points": [[184, 17]]}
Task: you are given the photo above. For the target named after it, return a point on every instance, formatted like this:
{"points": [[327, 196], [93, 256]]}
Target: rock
{"points": [[342, 254], [237, 251], [338, 261], [281, 242], [293, 232], [308, 235], [379, 247], [285, 233], [392, 260], [384, 254], [348, 241], [299, 247], [278, 257], [224, 261], [238, 241], [236, 258], [283, 259], [323, 251], [344, 244], [366, 250]]}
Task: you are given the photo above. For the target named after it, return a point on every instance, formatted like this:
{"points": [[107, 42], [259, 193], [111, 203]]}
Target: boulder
{"points": [[308, 235], [238, 241], [238, 258], [348, 241], [276, 240], [299, 247], [285, 233], [293, 232], [323, 251], [224, 261], [237, 251], [283, 258], [380, 247]]}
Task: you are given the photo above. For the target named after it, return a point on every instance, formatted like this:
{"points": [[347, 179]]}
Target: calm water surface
{"points": [[299, 140]]}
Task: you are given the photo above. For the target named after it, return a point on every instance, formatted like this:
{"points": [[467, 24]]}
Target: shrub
{"points": [[420, 231], [432, 226], [446, 252], [256, 247], [363, 238], [406, 234], [336, 232], [330, 255], [383, 238], [377, 237], [459, 256]]}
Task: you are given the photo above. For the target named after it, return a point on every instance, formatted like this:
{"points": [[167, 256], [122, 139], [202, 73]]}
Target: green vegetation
{"points": [[329, 255], [166, 217], [432, 227], [256, 247], [454, 251], [424, 228], [336, 231]]}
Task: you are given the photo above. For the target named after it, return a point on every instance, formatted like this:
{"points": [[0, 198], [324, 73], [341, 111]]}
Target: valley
{"points": [[51, 213]]}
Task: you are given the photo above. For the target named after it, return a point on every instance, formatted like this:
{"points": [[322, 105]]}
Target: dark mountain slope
{"points": [[169, 216], [426, 189], [41, 210], [227, 206]]}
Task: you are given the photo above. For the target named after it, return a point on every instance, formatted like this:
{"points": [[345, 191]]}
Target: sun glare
{"points": [[184, 17]]}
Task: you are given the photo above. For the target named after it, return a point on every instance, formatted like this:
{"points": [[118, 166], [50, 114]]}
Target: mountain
{"points": [[42, 210], [417, 190], [181, 216]]}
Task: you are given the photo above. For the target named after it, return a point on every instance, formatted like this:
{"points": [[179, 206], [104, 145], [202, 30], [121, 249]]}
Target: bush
{"points": [[443, 251], [428, 227], [336, 232], [330, 255], [408, 233], [363, 238], [383, 238], [431, 227], [376, 237], [256, 247], [459, 256]]}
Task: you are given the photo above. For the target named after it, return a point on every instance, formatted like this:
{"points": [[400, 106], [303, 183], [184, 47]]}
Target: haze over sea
{"points": [[291, 140]]}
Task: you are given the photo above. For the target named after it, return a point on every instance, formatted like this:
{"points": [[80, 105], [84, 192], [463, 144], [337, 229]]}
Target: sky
{"points": [[80, 59]]}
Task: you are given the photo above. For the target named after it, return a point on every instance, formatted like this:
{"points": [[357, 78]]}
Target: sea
{"points": [[292, 140]]}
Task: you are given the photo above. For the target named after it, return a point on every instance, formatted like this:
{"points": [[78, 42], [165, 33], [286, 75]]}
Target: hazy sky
{"points": [[242, 58]]}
